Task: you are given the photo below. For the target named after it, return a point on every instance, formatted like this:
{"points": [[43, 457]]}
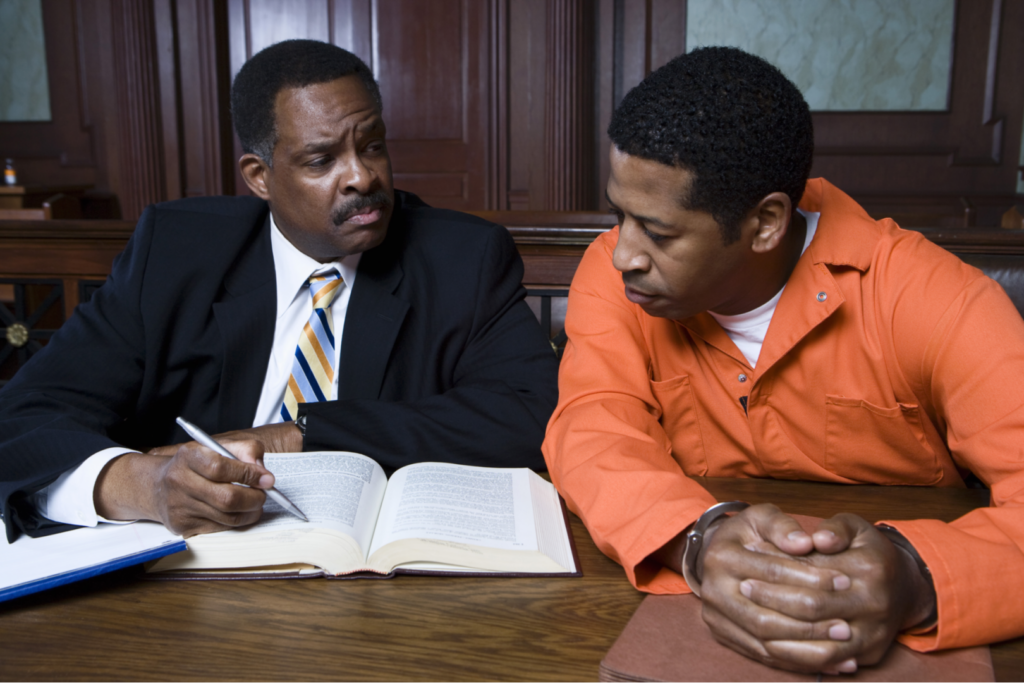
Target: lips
{"points": [[365, 216], [638, 297]]}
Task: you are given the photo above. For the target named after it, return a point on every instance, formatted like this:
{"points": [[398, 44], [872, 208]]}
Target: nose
{"points": [[356, 176], [629, 255]]}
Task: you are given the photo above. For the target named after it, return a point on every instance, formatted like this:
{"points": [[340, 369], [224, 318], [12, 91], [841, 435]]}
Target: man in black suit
{"points": [[439, 356]]}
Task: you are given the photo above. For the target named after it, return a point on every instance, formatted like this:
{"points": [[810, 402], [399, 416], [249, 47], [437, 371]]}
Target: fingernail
{"points": [[848, 667], [266, 481], [841, 582], [840, 631], [797, 535], [746, 588]]}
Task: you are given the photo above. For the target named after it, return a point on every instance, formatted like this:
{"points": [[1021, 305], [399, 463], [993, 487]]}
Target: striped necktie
{"points": [[312, 376]]}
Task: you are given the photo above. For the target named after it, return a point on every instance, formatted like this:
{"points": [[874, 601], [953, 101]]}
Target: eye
{"points": [[319, 162], [375, 146], [654, 237]]}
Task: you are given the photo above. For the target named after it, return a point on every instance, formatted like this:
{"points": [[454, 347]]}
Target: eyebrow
{"points": [[318, 146], [643, 219], [375, 123], [326, 144]]}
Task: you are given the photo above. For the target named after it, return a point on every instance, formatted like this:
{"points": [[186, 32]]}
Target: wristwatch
{"points": [[300, 422], [695, 539]]}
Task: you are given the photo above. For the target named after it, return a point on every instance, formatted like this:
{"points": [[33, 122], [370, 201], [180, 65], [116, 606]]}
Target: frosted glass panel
{"points": [[24, 86], [844, 55]]}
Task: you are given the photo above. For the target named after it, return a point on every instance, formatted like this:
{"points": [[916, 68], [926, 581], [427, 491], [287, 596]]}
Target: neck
{"points": [[776, 266]]}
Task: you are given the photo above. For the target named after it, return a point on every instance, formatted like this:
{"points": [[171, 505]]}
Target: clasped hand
{"points": [[824, 602]]}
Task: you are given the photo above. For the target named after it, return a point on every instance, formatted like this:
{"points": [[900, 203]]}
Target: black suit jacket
{"points": [[441, 358]]}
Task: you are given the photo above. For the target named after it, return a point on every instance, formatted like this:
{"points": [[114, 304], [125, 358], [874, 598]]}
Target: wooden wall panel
{"points": [[971, 150], [65, 150], [138, 105], [203, 115], [434, 86], [491, 104], [569, 111], [271, 21], [528, 166], [421, 49], [437, 67], [923, 165], [139, 100]]}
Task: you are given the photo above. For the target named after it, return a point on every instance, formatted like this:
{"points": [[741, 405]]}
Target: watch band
{"points": [[695, 539]]}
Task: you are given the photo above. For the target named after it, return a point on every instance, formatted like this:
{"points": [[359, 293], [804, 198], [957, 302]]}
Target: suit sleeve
{"points": [[492, 411], [970, 363], [58, 408], [606, 449]]}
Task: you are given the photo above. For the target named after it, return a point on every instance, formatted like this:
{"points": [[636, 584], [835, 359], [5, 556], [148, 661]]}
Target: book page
{"points": [[482, 506], [339, 492], [552, 537], [336, 490]]}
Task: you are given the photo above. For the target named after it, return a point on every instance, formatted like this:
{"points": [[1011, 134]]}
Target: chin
{"points": [[667, 312], [364, 238]]}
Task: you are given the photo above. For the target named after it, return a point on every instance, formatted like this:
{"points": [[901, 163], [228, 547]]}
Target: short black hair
{"points": [[730, 118], [288, 64]]}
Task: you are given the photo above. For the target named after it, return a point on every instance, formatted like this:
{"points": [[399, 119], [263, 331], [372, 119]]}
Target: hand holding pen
{"points": [[205, 439]]}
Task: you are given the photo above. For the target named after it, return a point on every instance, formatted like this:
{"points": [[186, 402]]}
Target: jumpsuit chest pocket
{"points": [[877, 445], [680, 421]]}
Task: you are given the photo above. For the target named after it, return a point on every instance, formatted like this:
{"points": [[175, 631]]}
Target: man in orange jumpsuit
{"points": [[744, 321]]}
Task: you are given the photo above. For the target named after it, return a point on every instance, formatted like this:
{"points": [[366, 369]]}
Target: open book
{"points": [[429, 518]]}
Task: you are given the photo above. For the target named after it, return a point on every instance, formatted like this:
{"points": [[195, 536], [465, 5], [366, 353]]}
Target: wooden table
{"points": [[121, 627]]}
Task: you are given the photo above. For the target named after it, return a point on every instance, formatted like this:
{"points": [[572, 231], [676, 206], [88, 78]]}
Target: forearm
{"points": [[974, 563], [611, 461], [36, 452], [124, 489]]}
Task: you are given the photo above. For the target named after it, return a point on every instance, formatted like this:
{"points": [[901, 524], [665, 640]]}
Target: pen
{"points": [[207, 440]]}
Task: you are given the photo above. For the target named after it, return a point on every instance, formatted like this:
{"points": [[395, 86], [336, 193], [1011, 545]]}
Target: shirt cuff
{"points": [[69, 500]]}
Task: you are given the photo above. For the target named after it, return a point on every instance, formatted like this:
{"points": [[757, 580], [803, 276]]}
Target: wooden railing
{"points": [[48, 267]]}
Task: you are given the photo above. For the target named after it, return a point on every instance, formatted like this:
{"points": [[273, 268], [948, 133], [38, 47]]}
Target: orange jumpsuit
{"points": [[888, 361]]}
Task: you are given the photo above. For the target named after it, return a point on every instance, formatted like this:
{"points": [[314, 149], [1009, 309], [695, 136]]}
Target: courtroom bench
{"points": [[48, 267]]}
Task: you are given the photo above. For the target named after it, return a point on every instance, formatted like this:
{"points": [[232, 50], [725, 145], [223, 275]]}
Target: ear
{"points": [[772, 215], [254, 172]]}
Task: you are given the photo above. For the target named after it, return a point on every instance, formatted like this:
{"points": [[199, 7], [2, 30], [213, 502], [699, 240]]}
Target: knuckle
{"points": [[221, 468], [762, 624], [235, 518], [224, 497], [811, 605]]}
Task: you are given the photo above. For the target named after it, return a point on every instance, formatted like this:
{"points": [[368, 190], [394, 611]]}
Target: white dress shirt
{"points": [[70, 498]]}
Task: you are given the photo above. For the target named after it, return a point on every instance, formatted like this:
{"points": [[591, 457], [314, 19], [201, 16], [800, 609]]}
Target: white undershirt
{"points": [[70, 498], [748, 330]]}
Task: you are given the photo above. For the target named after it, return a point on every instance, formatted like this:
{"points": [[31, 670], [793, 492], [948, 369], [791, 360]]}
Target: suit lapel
{"points": [[246, 319], [374, 317]]}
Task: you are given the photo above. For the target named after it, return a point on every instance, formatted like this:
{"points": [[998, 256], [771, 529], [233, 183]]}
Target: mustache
{"points": [[633, 281], [378, 198]]}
